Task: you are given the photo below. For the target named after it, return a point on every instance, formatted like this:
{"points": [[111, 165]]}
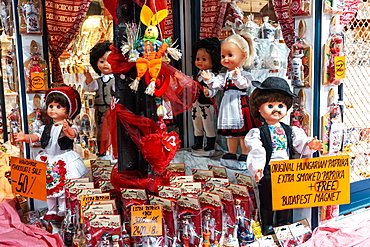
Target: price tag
{"points": [[146, 220], [37, 81], [28, 178], [340, 67]]}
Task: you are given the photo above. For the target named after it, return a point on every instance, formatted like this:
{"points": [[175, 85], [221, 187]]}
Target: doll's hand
{"points": [[206, 75], [258, 175], [68, 131], [315, 144], [88, 76], [236, 71], [20, 136], [206, 91]]}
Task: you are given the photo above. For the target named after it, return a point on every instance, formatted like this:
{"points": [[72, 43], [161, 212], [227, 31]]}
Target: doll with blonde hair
{"points": [[234, 120]]}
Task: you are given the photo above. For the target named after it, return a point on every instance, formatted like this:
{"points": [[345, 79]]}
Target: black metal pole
{"points": [[2, 98]]}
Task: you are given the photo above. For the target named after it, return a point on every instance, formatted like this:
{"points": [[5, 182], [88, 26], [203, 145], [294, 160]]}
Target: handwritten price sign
{"points": [[310, 182], [28, 178], [146, 220]]}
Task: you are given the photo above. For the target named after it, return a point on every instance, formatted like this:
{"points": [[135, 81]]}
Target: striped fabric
{"points": [[63, 18]]}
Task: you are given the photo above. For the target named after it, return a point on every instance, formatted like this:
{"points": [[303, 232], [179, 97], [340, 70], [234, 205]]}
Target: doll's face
{"points": [[57, 112], [151, 32], [203, 59], [231, 55], [273, 112], [103, 64]]}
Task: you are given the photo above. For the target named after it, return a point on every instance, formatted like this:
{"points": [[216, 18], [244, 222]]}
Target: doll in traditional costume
{"points": [[234, 120], [274, 140], [104, 86], [206, 57], [62, 103]]}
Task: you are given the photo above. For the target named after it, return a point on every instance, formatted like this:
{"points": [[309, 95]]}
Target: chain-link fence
{"points": [[357, 93]]}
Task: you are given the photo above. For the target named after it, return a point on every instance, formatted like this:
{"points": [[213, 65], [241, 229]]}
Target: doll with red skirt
{"points": [[62, 103], [234, 120]]}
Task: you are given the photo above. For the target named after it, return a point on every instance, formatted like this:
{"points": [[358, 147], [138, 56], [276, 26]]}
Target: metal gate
{"points": [[356, 90]]}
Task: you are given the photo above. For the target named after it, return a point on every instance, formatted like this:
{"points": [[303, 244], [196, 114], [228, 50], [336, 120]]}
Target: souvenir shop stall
{"points": [[164, 102]]}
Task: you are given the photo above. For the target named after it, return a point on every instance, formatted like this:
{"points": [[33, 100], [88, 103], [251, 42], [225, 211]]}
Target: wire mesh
{"points": [[357, 93]]}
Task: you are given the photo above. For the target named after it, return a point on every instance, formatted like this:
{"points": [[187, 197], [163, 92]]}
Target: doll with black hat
{"points": [[274, 140], [61, 103], [104, 86]]}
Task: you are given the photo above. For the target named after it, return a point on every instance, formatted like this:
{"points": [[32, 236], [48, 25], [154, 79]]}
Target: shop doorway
{"points": [[356, 97]]}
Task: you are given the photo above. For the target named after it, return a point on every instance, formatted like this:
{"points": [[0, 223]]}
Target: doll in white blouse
{"points": [[234, 120], [57, 137], [274, 140]]}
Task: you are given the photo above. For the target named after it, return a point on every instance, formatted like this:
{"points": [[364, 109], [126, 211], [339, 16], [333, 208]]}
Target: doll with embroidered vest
{"points": [[62, 103], [234, 120], [206, 57], [274, 140], [104, 86]]}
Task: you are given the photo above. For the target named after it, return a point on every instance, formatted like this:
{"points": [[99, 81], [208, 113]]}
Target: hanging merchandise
{"points": [[151, 59], [30, 13], [329, 212], [233, 18], [10, 69], [332, 127], [211, 214], [299, 116], [63, 21], [6, 15], [334, 56], [14, 120], [297, 66], [284, 50], [349, 12], [301, 73], [212, 18], [334, 7], [151, 50], [36, 70], [36, 118], [300, 8], [189, 221], [286, 22]]}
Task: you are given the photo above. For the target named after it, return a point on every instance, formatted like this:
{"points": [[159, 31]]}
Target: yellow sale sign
{"points": [[310, 182], [146, 220], [28, 178]]}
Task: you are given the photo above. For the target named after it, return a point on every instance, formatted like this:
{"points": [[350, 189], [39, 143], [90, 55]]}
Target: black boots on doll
{"points": [[267, 218], [199, 143], [210, 144], [283, 217]]}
